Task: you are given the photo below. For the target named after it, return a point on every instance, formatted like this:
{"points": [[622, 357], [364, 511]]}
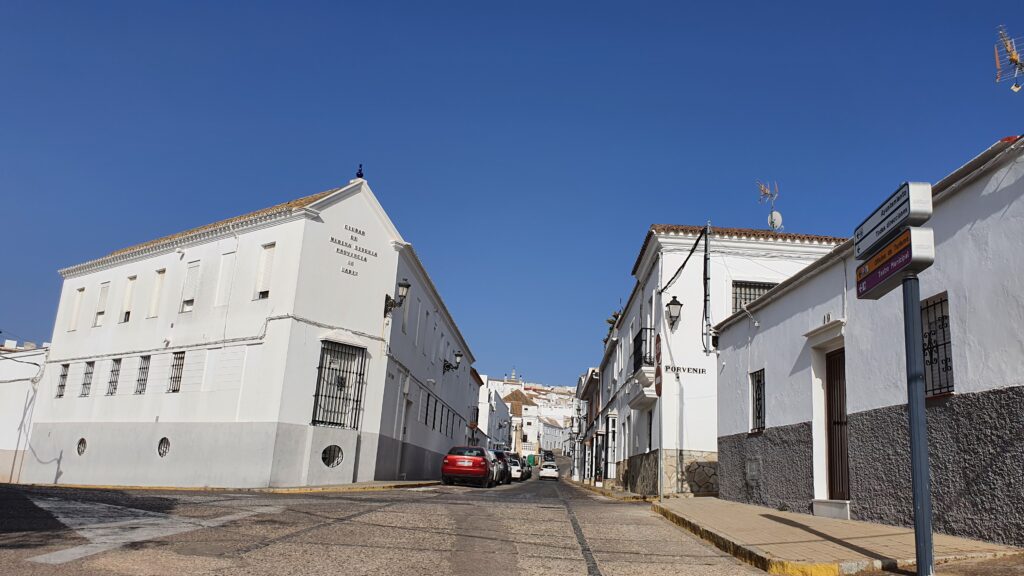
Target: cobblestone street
{"points": [[533, 527]]}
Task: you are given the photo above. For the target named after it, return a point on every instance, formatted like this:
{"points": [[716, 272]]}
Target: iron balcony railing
{"points": [[643, 349]]}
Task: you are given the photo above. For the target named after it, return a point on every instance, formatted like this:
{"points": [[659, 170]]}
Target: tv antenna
{"points": [[1008, 57], [768, 196]]}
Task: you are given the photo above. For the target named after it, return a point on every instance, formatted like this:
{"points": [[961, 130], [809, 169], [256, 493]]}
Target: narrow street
{"points": [[532, 527]]}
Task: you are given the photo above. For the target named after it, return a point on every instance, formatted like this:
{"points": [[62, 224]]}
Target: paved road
{"points": [[533, 527]]}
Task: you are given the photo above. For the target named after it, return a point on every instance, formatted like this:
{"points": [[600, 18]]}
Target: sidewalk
{"points": [[609, 492], [791, 543], [369, 486]]}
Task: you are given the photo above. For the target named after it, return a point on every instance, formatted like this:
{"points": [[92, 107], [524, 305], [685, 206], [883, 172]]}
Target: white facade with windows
{"points": [[812, 381], [495, 420], [628, 426], [254, 351]]}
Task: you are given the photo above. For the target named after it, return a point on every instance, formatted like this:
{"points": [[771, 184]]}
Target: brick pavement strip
{"points": [[791, 543]]}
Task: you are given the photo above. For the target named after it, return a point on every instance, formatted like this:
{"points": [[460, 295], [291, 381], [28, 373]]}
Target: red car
{"points": [[468, 464]]}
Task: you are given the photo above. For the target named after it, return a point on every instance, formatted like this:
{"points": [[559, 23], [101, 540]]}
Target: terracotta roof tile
{"points": [[290, 205], [726, 232]]}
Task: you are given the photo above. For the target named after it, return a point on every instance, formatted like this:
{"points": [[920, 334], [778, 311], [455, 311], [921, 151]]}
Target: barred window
{"points": [[744, 293], [115, 373], [938, 346], [63, 382], [87, 379], [143, 377], [177, 366], [341, 377], [757, 400]]}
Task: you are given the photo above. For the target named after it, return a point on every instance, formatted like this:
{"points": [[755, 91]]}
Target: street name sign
{"points": [[912, 251], [910, 205]]}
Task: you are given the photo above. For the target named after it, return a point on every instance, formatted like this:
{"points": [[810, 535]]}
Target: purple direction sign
{"points": [[913, 250]]}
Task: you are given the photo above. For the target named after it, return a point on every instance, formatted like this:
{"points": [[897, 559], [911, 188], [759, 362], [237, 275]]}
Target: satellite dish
{"points": [[775, 220]]}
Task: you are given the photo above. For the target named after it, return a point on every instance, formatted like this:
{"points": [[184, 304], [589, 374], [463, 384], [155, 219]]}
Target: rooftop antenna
{"points": [[359, 172], [1007, 56], [768, 197]]}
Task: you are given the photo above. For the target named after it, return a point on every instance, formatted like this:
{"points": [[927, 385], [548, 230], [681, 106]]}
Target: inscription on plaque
{"points": [[349, 247]]}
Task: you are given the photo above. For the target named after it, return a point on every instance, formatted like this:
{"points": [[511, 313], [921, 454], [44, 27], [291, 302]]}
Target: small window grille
{"points": [[115, 373], [143, 377], [744, 293], [341, 378], [757, 400], [63, 382], [87, 379], [177, 365], [938, 346]]}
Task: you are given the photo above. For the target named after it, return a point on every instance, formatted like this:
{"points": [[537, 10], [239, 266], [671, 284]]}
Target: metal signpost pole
{"points": [[918, 425]]}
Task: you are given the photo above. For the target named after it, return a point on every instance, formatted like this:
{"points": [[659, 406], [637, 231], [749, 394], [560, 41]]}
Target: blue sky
{"points": [[523, 147]]}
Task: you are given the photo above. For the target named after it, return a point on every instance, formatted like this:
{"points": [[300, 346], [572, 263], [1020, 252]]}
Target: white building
{"points": [[629, 427], [261, 350], [812, 391], [494, 421], [21, 369]]}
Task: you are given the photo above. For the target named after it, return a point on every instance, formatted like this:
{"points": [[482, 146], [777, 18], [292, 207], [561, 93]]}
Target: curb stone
{"points": [[760, 559]]}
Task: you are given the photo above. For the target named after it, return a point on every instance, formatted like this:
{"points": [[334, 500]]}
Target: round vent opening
{"points": [[332, 456], [81, 446], [163, 447]]}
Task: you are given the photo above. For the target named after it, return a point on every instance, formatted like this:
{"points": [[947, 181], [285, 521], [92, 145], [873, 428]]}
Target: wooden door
{"points": [[838, 439]]}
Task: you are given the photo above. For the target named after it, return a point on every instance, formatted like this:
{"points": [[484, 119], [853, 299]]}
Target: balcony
{"points": [[643, 349]]}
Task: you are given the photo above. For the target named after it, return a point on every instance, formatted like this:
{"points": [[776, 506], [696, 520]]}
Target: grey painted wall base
{"points": [[773, 468], [976, 457], [207, 454]]}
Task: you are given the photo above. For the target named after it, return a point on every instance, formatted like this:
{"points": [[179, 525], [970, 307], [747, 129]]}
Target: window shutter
{"points": [[265, 272], [126, 305], [154, 300], [188, 290], [101, 305]]}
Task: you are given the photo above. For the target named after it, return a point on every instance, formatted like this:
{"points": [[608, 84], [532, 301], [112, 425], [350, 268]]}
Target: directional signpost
{"points": [[894, 250]]}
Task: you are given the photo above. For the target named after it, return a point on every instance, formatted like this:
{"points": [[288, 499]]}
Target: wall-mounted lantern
{"points": [[449, 366], [396, 302], [674, 308]]}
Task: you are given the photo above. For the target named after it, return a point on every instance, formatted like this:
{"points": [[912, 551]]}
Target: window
{"points": [[154, 297], [264, 272], [188, 289], [426, 322], [938, 346], [744, 293], [63, 381], [177, 365], [757, 401], [126, 302], [405, 313], [341, 377], [115, 373], [140, 380], [87, 379], [101, 304], [76, 307], [224, 275]]}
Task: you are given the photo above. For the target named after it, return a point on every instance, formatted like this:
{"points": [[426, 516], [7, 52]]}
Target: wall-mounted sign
{"points": [[911, 251], [687, 370], [910, 205], [352, 251]]}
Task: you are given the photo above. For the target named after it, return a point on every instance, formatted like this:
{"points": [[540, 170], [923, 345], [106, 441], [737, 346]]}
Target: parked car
{"points": [[471, 464], [516, 468], [504, 475], [548, 470]]}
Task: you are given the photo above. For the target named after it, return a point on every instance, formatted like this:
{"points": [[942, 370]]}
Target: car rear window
{"points": [[549, 466], [466, 451]]}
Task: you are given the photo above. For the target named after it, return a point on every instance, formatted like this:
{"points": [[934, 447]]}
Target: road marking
{"points": [[107, 527], [588, 554]]}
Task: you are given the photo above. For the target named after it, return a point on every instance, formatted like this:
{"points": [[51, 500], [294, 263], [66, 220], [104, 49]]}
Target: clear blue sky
{"points": [[523, 147]]}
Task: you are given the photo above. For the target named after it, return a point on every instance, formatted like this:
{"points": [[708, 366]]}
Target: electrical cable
{"points": [[683, 265]]}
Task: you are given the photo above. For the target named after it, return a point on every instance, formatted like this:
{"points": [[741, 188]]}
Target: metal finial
{"points": [[359, 172]]}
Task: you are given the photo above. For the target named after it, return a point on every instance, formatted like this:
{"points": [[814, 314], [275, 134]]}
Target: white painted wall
{"points": [[978, 264], [19, 374]]}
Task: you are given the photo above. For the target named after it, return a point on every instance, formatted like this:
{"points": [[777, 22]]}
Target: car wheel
{"points": [[446, 480]]}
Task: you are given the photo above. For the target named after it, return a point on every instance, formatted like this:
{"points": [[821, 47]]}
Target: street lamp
{"points": [[449, 366], [674, 309], [396, 302]]}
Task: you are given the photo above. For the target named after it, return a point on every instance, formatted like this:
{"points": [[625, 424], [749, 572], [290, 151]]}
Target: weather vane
{"points": [[768, 197], [1007, 56]]}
